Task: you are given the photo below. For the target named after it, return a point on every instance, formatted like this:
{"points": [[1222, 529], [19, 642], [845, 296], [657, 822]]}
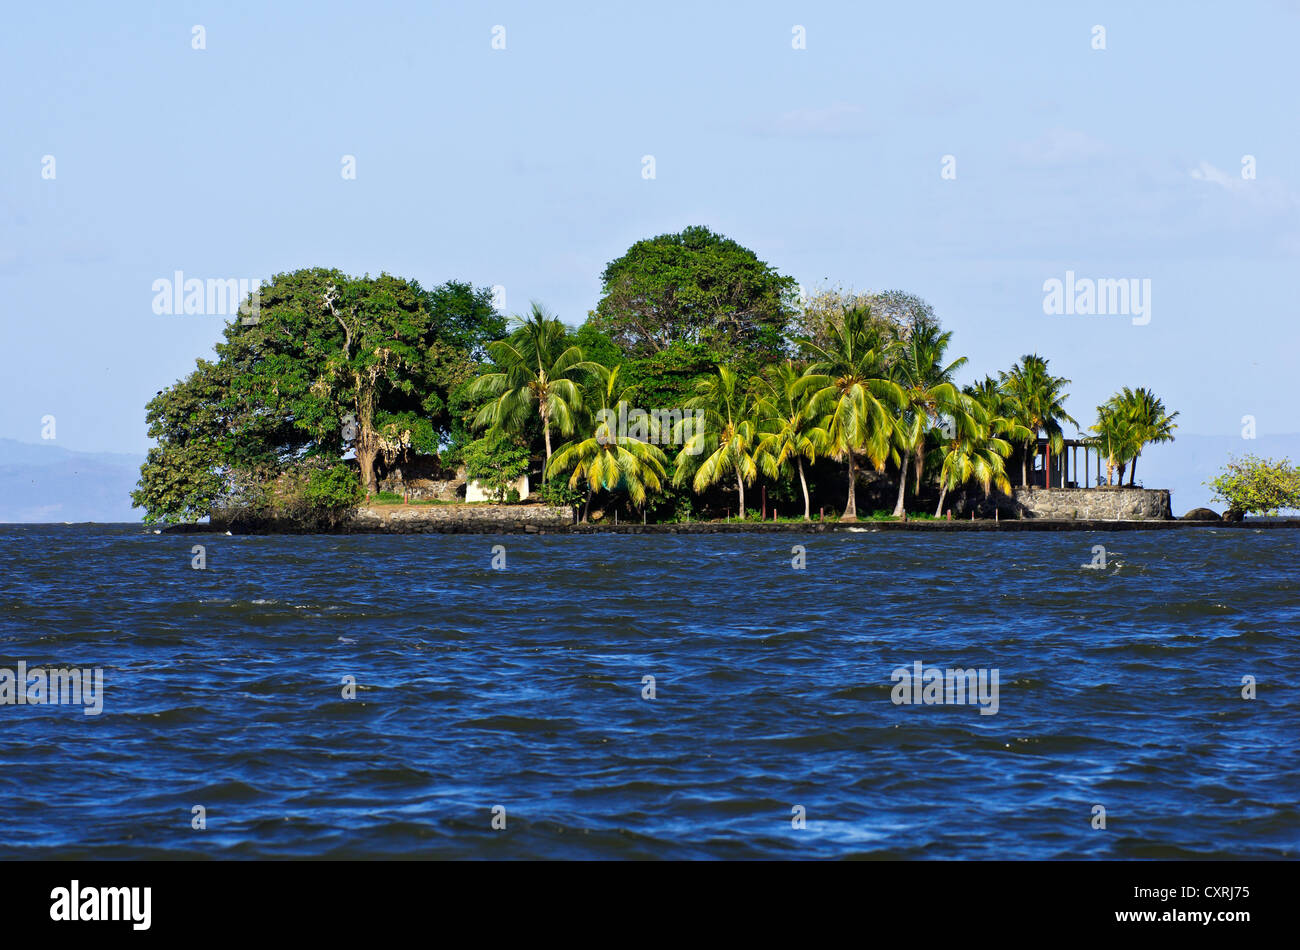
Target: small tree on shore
{"points": [[1253, 485]]}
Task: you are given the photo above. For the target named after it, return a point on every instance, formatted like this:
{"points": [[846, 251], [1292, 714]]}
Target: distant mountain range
{"points": [[45, 483]]}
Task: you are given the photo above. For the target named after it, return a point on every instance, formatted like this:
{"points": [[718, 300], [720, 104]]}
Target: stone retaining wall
{"points": [[408, 519], [1094, 504], [415, 519]]}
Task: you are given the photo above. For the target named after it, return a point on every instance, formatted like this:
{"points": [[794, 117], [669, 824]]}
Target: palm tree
{"points": [[1126, 423], [851, 394], [725, 442], [974, 452], [608, 460], [977, 444], [537, 374], [1113, 439], [928, 394], [1152, 423], [786, 429], [1038, 405]]}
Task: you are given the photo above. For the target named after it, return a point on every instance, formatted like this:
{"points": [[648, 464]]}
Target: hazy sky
{"points": [[523, 167]]}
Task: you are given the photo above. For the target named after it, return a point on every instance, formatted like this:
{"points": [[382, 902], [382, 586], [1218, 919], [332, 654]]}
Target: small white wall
{"points": [[476, 492]]}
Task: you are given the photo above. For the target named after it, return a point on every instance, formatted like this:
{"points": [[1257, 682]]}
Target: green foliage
{"points": [[1253, 485], [787, 428], [669, 378], [1036, 400], [538, 376], [496, 461], [849, 391], [597, 347], [333, 491], [722, 450], [179, 482], [694, 287], [391, 371], [194, 423], [929, 396], [608, 460], [406, 432], [1126, 423], [465, 317], [559, 494], [325, 347]]}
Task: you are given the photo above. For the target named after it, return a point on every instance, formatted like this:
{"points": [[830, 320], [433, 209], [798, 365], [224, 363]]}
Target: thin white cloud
{"points": [[1061, 147], [1264, 194], [837, 119]]}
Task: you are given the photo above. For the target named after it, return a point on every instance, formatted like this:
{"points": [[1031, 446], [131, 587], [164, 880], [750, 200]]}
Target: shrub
{"points": [[1259, 486], [558, 493], [496, 462], [332, 493]]}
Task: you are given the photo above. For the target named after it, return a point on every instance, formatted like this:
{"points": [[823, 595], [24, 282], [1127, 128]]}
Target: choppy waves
{"points": [[523, 688]]}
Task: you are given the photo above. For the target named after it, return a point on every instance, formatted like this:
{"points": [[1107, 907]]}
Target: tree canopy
{"points": [[332, 363], [695, 344], [697, 288]]}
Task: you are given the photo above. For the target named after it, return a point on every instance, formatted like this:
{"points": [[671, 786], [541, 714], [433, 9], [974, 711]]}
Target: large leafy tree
{"points": [[695, 287], [328, 364], [723, 443], [382, 357], [188, 470], [890, 310], [851, 394], [1038, 403]]}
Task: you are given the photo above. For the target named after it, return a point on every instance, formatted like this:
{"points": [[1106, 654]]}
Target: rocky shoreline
{"points": [[542, 519]]}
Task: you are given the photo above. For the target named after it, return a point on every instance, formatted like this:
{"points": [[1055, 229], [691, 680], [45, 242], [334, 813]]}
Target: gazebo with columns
{"points": [[1062, 467]]}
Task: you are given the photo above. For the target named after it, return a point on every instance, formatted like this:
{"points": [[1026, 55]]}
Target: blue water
{"points": [[522, 688]]}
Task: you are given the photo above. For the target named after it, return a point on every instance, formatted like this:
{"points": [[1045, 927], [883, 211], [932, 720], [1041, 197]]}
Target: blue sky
{"points": [[523, 167]]}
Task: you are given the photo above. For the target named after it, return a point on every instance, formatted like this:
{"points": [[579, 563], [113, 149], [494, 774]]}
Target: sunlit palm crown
{"points": [[724, 445], [608, 461], [1038, 398], [849, 387], [786, 427], [535, 376]]}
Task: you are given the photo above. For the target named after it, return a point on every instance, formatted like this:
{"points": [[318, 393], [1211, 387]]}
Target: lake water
{"points": [[773, 699]]}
